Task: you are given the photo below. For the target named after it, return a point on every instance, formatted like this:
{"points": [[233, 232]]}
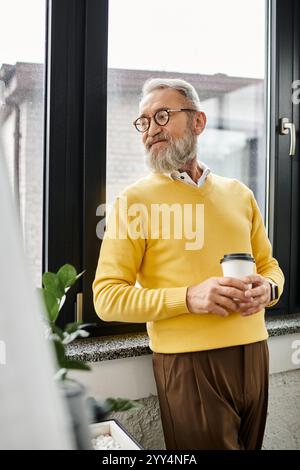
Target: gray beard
{"points": [[177, 153]]}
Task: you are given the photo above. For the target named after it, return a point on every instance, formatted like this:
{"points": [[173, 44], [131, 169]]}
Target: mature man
{"points": [[207, 331]]}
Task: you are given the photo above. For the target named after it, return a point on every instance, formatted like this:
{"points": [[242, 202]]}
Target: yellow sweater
{"points": [[167, 258]]}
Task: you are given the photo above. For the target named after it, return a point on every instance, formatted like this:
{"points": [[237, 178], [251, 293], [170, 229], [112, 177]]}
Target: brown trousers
{"points": [[214, 399]]}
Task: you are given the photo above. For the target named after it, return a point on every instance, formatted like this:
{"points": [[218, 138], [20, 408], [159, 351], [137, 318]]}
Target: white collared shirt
{"points": [[185, 178]]}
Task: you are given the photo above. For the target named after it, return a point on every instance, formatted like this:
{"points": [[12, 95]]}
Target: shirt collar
{"points": [[185, 178]]}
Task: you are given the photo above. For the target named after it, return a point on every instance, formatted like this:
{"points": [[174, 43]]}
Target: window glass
{"points": [[22, 59], [220, 48]]}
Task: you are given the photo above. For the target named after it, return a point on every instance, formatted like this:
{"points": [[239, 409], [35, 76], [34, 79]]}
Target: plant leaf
{"points": [[80, 274], [71, 327], [53, 284], [62, 301], [64, 362], [77, 325], [122, 404], [69, 337], [75, 364], [57, 331], [51, 305], [67, 275], [73, 282], [85, 325], [60, 353]]}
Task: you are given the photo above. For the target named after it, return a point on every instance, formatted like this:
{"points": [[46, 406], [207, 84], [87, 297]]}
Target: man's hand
{"points": [[216, 294], [260, 295]]}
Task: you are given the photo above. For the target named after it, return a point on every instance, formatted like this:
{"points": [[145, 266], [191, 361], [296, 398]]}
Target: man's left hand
{"points": [[258, 297]]}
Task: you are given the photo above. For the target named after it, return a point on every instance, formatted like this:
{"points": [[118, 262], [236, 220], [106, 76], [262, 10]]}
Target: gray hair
{"points": [[183, 87]]}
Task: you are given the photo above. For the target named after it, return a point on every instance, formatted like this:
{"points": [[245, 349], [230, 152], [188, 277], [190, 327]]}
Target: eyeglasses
{"points": [[161, 117]]}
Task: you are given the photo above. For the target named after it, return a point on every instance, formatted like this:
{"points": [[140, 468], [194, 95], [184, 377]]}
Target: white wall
{"points": [[284, 353], [133, 378]]}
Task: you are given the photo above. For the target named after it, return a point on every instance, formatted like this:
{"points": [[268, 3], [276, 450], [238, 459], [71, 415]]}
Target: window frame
{"points": [[283, 180], [75, 148], [64, 142], [95, 98], [74, 173]]}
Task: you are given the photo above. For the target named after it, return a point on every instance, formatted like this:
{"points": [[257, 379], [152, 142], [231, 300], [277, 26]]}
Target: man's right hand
{"points": [[215, 295]]}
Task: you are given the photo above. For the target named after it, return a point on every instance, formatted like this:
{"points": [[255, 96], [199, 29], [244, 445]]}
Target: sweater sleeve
{"points": [[266, 265], [116, 298]]}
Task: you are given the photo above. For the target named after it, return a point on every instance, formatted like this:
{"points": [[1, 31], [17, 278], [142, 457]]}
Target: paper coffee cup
{"points": [[238, 265]]}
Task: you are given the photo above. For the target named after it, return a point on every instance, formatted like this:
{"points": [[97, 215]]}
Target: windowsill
{"points": [[137, 344], [106, 348]]}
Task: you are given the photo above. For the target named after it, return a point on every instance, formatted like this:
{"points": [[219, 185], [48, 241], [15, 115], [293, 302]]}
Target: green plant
{"points": [[100, 408], [54, 290]]}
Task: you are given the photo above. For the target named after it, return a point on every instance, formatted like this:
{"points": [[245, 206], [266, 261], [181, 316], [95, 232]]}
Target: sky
{"points": [[192, 36], [22, 31]]}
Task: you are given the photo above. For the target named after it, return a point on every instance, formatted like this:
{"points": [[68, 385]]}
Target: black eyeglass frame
{"points": [[168, 111]]}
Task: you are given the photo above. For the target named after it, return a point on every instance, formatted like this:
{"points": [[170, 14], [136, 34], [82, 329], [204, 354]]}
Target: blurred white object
{"points": [[32, 413], [111, 435], [104, 442]]}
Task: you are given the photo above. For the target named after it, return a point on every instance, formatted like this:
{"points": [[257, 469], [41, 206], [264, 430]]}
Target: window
{"points": [[22, 65], [224, 60], [94, 76]]}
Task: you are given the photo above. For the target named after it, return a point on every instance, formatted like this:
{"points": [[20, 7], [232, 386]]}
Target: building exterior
{"points": [[233, 143]]}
